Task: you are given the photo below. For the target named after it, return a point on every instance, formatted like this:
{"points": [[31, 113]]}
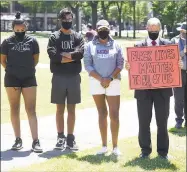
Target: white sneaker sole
{"points": [[36, 151], [75, 149], [16, 149], [60, 148], [101, 153]]}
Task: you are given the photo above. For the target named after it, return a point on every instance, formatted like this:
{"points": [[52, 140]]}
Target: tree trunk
{"points": [[119, 22], [94, 14], [77, 13], [105, 15], [34, 16], [134, 19], [119, 16]]}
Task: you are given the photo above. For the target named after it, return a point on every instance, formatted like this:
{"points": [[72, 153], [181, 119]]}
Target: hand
{"points": [[105, 82], [185, 48], [180, 64], [127, 65], [67, 55]]}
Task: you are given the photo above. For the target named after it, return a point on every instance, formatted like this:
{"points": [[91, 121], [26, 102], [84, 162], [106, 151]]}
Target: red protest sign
{"points": [[154, 67]]}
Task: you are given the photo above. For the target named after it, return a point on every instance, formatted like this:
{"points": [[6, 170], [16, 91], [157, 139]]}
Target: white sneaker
{"points": [[102, 151], [116, 151]]}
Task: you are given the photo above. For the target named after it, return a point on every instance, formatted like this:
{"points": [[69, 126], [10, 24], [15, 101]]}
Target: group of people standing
{"points": [[103, 60]]}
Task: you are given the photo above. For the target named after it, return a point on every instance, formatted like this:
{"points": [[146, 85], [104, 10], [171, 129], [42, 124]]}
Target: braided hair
{"points": [[18, 20]]}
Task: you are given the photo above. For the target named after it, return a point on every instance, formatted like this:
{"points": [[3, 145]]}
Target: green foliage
{"points": [[5, 4], [170, 12]]}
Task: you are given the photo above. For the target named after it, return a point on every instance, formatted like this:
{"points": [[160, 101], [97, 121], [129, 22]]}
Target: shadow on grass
{"points": [[54, 153], [9, 155], [179, 132], [151, 164], [95, 159]]}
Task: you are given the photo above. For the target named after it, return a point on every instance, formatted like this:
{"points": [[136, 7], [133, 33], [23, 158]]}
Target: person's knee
{"points": [[102, 112], [114, 115], [15, 108], [31, 110], [60, 109], [71, 109]]}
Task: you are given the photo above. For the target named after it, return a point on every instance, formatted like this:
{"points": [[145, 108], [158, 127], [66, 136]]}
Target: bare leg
{"points": [[29, 95], [14, 101], [71, 118], [114, 104], [102, 111], [60, 117]]}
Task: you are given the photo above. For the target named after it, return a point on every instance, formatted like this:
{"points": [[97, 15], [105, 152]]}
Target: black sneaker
{"points": [[71, 144], [36, 146], [17, 145], [61, 143], [178, 125]]}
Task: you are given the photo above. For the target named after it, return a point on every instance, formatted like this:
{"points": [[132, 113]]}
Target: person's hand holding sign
{"points": [[127, 65], [180, 63], [185, 48]]}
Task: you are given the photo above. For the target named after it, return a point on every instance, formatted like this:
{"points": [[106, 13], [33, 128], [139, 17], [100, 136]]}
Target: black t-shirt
{"points": [[20, 61], [59, 43]]}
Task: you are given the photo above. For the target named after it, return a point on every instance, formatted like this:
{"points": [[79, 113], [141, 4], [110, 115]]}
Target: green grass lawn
{"points": [[129, 161]]}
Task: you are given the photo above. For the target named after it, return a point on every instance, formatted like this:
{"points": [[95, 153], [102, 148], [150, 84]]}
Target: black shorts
{"points": [[13, 81], [66, 89]]}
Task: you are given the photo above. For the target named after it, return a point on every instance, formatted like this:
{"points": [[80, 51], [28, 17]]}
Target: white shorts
{"points": [[97, 89]]}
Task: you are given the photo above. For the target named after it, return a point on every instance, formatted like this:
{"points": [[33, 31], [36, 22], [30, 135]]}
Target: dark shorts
{"points": [[66, 88], [13, 81]]}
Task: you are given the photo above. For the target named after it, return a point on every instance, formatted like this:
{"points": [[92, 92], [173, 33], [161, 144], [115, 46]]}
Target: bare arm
{"points": [[36, 59], [3, 60], [120, 64], [95, 75]]}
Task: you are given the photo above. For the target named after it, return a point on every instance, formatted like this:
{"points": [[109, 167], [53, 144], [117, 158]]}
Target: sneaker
{"points": [[104, 150], [178, 125], [61, 143], [36, 146], [71, 144], [116, 151], [18, 144]]}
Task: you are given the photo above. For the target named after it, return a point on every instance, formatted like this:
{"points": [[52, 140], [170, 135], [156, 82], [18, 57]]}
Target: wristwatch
{"points": [[111, 78]]}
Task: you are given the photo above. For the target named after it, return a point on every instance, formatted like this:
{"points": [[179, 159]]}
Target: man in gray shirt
{"points": [[180, 94]]}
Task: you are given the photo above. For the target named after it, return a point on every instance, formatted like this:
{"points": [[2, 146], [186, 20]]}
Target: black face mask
{"points": [[153, 35], [20, 35], [66, 25], [103, 34]]}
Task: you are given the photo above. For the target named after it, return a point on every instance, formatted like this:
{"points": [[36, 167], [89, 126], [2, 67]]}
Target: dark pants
{"points": [[161, 104], [180, 95]]}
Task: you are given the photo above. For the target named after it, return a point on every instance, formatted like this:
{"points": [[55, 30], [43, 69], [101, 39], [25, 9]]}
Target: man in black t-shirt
{"points": [[65, 50]]}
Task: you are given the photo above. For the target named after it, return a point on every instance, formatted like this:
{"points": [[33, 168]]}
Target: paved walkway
{"points": [[86, 131]]}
